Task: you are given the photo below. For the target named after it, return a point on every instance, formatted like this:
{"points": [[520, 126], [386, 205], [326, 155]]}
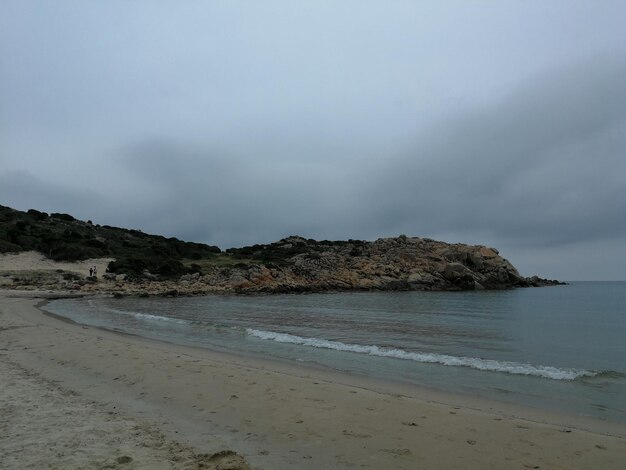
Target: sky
{"points": [[499, 123]]}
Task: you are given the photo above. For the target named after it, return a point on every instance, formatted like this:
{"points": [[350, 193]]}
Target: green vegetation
{"points": [[218, 260], [281, 252], [63, 238]]}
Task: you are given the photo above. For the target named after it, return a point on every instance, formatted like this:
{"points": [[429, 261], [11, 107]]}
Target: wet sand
{"points": [[80, 397]]}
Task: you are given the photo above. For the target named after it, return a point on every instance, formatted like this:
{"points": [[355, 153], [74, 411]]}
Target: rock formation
{"points": [[402, 263], [151, 264]]}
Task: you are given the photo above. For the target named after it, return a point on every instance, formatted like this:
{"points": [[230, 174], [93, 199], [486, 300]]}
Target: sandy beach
{"points": [[80, 397], [32, 261]]}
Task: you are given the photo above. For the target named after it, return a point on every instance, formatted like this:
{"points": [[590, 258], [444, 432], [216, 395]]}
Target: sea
{"points": [[559, 348]]}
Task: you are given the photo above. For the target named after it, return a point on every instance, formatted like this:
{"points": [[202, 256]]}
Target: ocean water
{"points": [[556, 348]]}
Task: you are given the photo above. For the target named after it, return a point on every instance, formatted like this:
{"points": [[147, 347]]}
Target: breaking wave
{"points": [[147, 316], [507, 367]]}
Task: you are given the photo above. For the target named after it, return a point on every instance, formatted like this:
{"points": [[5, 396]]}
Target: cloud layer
{"points": [[239, 124]]}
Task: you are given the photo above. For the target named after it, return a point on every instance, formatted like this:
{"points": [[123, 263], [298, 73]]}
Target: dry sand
{"points": [[32, 260], [79, 397], [43, 425]]}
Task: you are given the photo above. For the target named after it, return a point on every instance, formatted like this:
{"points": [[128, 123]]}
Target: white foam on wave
{"points": [[516, 368], [147, 316]]}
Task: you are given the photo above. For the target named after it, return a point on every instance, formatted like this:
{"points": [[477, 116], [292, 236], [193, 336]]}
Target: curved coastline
{"points": [[278, 415]]}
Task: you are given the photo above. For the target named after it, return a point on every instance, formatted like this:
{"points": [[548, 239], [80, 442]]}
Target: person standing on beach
{"points": [[90, 272], [95, 271]]}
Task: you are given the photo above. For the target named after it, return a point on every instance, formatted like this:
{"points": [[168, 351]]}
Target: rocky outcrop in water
{"points": [[402, 263]]}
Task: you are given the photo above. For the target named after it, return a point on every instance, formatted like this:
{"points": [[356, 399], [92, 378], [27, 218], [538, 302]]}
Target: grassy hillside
{"points": [[63, 238]]}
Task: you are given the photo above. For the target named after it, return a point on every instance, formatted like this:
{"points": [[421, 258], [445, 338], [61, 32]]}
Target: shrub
{"points": [[67, 217], [8, 247], [71, 252], [170, 268], [27, 242], [71, 277], [37, 215], [166, 267], [95, 243]]}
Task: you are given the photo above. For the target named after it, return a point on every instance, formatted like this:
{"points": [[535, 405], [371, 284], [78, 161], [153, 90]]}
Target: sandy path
{"points": [[280, 416]]}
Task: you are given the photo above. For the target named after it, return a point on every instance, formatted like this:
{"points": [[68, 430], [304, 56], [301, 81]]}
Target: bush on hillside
{"points": [[8, 247], [66, 217], [165, 267], [37, 215]]}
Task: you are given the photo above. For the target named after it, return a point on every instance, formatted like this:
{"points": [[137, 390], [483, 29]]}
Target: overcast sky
{"points": [[228, 122]]}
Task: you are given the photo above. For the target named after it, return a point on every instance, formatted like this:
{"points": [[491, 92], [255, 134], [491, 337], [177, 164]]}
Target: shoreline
{"points": [[279, 415], [534, 414]]}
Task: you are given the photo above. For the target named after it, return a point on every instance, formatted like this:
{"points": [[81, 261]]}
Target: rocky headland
{"points": [[400, 263], [387, 264], [57, 251]]}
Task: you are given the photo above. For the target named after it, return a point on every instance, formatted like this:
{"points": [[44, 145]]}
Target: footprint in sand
{"points": [[345, 432], [224, 459], [397, 452]]}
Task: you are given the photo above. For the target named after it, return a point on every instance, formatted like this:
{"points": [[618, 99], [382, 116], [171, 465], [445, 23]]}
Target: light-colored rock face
{"points": [[488, 252], [400, 263]]}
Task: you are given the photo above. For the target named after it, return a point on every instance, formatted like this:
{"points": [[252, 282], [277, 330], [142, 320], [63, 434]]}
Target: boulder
{"points": [[488, 252], [459, 275]]}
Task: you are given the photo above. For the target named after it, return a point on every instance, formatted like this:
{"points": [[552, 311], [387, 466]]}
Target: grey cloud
{"points": [[23, 190], [234, 123], [212, 195], [539, 167]]}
